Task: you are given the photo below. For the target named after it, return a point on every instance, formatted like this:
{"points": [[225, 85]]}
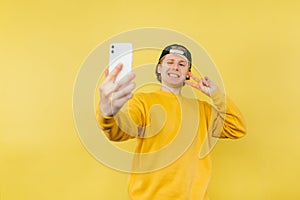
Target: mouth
{"points": [[173, 75]]}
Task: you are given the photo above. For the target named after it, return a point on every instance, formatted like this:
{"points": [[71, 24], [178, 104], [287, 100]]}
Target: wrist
{"points": [[105, 112]]}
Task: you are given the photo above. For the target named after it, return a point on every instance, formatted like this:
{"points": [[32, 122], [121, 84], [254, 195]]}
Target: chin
{"points": [[174, 85]]}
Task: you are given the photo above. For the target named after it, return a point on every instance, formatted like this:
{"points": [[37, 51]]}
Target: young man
{"points": [[172, 167]]}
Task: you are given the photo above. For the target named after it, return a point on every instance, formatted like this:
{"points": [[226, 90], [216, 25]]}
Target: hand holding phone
{"points": [[120, 53], [113, 98]]}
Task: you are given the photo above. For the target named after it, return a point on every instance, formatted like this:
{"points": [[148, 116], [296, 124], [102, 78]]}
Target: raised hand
{"points": [[204, 84], [113, 95]]}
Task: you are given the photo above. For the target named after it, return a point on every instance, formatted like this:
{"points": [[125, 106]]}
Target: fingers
{"points": [[121, 101], [207, 86], [106, 73], [194, 85], [113, 74], [115, 104], [109, 87], [199, 82], [195, 78], [113, 95], [125, 80], [205, 81], [204, 84], [125, 91]]}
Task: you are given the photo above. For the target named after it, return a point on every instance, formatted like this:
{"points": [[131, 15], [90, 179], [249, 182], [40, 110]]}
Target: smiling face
{"points": [[173, 69]]}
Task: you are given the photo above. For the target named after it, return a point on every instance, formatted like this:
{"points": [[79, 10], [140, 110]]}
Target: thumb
{"points": [[106, 72]]}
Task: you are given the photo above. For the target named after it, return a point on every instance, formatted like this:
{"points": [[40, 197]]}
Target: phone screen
{"points": [[120, 53]]}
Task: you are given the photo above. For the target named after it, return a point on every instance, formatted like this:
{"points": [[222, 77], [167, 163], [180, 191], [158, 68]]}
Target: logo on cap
{"points": [[176, 51]]}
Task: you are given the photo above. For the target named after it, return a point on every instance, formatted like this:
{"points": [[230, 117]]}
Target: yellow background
{"points": [[255, 45]]}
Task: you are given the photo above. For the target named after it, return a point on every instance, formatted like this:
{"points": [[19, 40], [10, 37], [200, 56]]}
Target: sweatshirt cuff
{"points": [[219, 100], [104, 120]]}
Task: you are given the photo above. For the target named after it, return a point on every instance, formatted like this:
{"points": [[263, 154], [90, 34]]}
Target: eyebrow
{"points": [[171, 59]]}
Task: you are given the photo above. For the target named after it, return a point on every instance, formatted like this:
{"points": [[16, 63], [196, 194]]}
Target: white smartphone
{"points": [[120, 53]]}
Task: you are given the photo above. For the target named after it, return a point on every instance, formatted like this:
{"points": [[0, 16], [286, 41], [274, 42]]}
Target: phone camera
{"points": [[112, 51], [112, 46]]}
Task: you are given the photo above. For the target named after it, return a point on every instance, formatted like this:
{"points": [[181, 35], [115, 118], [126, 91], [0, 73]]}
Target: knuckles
{"points": [[101, 88], [103, 92]]}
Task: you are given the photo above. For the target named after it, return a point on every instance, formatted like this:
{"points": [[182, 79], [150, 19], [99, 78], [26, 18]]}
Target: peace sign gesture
{"points": [[204, 84]]}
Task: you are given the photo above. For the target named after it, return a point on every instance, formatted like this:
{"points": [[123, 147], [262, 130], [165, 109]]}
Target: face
{"points": [[173, 69]]}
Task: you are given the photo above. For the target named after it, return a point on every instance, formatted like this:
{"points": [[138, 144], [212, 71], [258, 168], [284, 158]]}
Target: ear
{"points": [[158, 68], [188, 77]]}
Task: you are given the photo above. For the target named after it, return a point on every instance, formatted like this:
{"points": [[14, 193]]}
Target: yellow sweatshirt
{"points": [[174, 136]]}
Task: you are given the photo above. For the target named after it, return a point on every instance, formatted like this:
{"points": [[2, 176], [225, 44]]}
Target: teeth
{"points": [[174, 75]]}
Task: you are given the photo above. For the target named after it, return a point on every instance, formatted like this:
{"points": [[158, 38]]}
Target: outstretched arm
{"points": [[228, 120], [113, 96]]}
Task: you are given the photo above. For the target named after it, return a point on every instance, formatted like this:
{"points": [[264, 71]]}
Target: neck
{"points": [[169, 89]]}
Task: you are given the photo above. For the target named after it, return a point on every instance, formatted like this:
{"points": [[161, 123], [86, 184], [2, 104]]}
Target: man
{"points": [[175, 171]]}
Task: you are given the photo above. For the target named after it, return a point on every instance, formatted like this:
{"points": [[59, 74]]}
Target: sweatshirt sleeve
{"points": [[126, 124], [228, 121], [110, 128]]}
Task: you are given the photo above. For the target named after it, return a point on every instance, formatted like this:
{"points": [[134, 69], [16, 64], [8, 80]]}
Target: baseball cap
{"points": [[177, 49]]}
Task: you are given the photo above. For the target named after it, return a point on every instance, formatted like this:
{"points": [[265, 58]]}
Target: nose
{"points": [[175, 66]]}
